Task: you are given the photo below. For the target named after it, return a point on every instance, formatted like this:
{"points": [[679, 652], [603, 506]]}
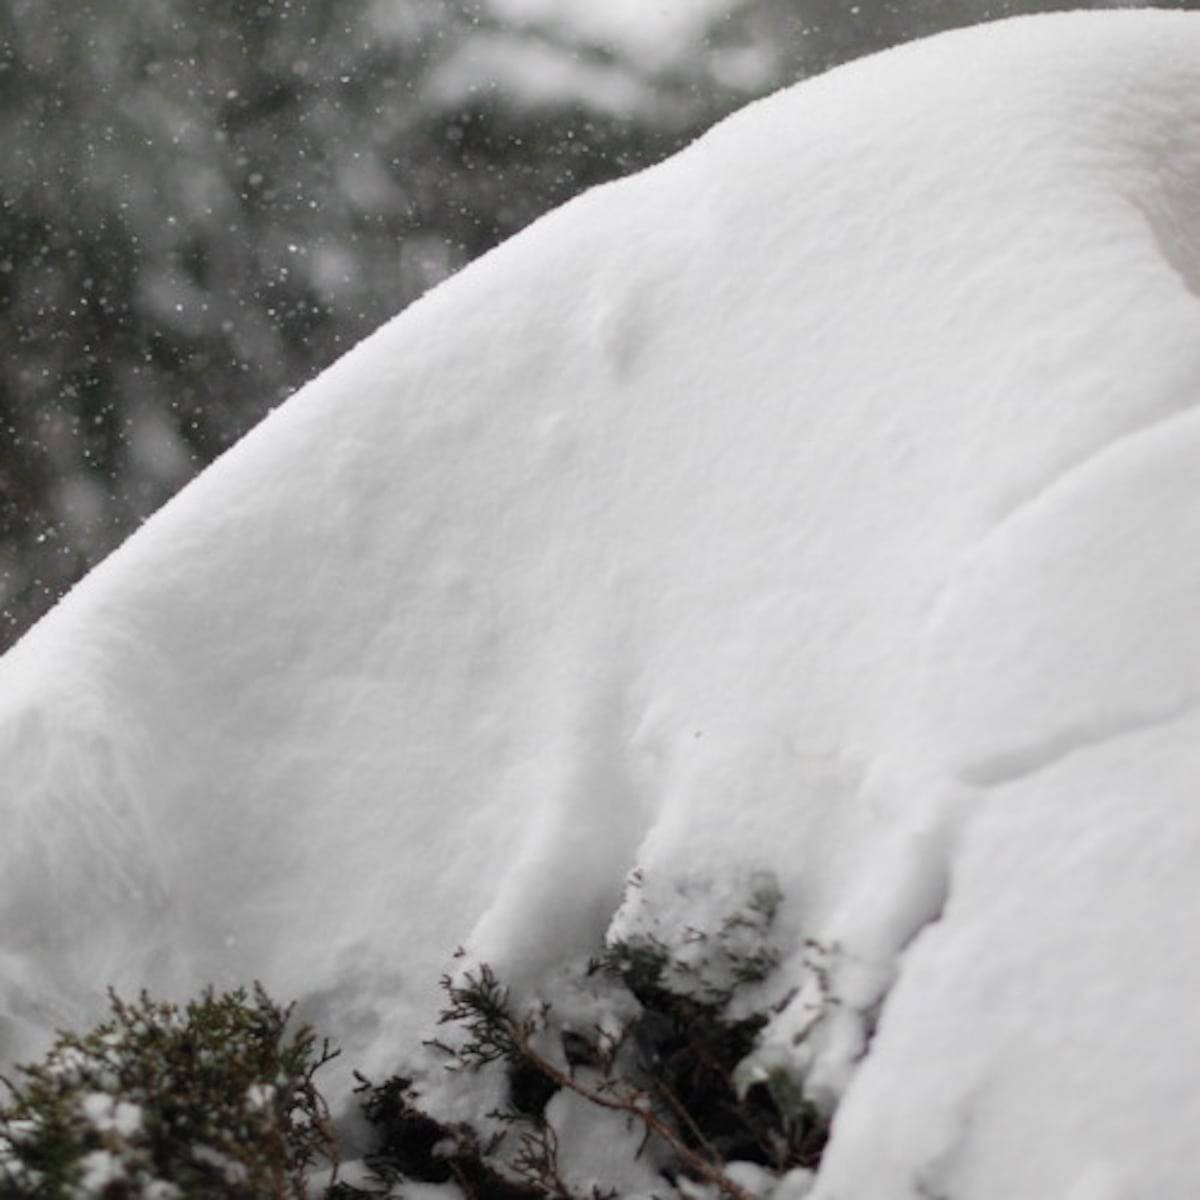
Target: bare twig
{"points": [[635, 1103]]}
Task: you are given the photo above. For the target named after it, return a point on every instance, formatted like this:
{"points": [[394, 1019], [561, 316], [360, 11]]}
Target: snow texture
{"points": [[821, 503]]}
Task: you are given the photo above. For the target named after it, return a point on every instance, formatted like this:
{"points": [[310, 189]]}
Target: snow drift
{"points": [[823, 502]]}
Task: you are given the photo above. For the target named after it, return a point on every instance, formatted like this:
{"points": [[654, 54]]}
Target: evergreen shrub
{"points": [[670, 1071], [218, 1099], [215, 1100]]}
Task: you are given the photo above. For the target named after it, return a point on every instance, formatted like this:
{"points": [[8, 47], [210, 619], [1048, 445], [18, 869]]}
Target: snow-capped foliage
{"points": [[820, 505]]}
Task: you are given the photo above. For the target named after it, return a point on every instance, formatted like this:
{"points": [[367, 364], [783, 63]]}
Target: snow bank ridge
{"points": [[820, 503]]}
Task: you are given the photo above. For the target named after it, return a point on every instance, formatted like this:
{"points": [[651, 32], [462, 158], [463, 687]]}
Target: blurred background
{"points": [[204, 202]]}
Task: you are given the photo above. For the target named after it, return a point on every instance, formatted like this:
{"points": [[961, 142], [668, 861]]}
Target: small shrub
{"points": [[671, 1071], [160, 1103], [215, 1101]]}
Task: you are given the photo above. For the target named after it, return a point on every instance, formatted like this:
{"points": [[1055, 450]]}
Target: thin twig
{"points": [[629, 1104]]}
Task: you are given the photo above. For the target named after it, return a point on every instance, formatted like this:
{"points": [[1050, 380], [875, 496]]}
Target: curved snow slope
{"points": [[823, 501]]}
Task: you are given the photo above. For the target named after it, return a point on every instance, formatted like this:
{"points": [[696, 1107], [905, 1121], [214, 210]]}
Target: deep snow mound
{"points": [[822, 502]]}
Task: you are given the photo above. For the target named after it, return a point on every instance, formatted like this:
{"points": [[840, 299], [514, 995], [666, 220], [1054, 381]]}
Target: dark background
{"points": [[204, 202]]}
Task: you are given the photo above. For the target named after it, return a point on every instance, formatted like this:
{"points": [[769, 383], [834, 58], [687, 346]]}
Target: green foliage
{"points": [[671, 1068], [218, 1099], [711, 965], [214, 1100]]}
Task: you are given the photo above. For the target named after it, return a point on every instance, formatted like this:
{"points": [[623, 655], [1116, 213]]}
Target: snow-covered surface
{"points": [[822, 503]]}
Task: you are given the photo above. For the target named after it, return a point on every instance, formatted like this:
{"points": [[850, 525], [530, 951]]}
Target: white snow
{"points": [[818, 506], [100, 1169], [109, 1115]]}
